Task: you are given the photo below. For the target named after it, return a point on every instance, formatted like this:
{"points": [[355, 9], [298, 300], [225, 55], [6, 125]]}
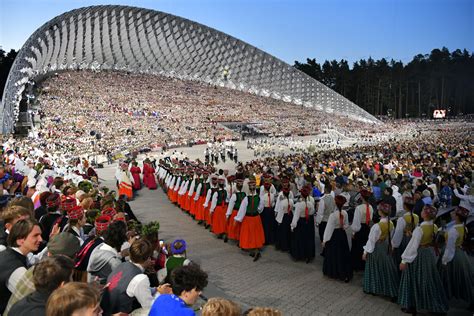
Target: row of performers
{"points": [[400, 262]]}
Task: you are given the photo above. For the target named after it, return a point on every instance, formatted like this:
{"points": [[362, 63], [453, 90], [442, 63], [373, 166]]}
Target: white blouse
{"points": [[243, 209], [282, 205], [451, 244], [300, 210], [374, 236], [333, 223], [399, 231], [410, 253], [359, 217]]}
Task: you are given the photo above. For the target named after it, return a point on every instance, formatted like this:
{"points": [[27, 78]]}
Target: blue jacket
{"points": [[170, 304]]}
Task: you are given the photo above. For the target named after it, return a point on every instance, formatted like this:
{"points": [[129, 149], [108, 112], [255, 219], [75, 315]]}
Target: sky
{"points": [[291, 30]]}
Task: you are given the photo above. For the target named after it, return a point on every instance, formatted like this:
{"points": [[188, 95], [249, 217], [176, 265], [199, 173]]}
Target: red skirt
{"points": [[174, 196], [251, 233], [200, 208], [192, 205], [233, 230], [180, 200], [207, 214], [219, 222]]}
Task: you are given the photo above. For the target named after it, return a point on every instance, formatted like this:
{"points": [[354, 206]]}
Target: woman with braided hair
{"points": [[337, 255], [360, 229], [420, 285], [404, 229], [381, 275], [456, 271]]}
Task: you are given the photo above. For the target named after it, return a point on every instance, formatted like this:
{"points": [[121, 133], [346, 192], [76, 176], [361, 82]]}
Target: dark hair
{"points": [[390, 190], [140, 251], [116, 234], [23, 201], [50, 272], [43, 197], [21, 230], [188, 277]]}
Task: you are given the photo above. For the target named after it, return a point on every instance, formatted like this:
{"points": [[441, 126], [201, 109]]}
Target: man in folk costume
{"points": [[252, 236], [200, 197], [125, 182], [268, 215], [233, 229], [207, 203], [218, 209]]}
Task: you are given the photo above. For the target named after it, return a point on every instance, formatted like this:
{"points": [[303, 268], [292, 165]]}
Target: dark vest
{"points": [[10, 260], [205, 187], [252, 208], [119, 280], [221, 196], [84, 254], [239, 198]]}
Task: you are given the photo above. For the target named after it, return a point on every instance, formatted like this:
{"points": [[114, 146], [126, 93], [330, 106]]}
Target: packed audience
{"points": [[133, 111]]}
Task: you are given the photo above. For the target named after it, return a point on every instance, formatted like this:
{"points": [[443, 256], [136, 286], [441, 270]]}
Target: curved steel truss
{"points": [[152, 42]]}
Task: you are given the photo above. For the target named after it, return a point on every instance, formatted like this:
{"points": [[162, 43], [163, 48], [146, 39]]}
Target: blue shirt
{"points": [[170, 304]]}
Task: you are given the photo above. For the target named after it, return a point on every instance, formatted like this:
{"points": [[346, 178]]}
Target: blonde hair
{"points": [[220, 307], [72, 297], [264, 311], [87, 202]]}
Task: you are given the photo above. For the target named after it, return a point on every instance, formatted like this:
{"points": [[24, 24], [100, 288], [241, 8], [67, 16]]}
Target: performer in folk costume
{"points": [[182, 189], [252, 236], [420, 285], [284, 210], [303, 243], [177, 185], [456, 270], [194, 193], [201, 193], [135, 171], [190, 190], [149, 175], [207, 202], [268, 214], [360, 230], [233, 228], [218, 209], [381, 274], [125, 182], [337, 256], [404, 229], [170, 183]]}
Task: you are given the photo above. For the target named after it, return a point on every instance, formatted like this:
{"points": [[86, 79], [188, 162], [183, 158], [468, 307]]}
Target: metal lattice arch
{"points": [[146, 41]]}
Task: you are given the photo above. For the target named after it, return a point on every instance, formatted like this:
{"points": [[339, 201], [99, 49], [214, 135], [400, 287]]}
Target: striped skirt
{"points": [[458, 277], [381, 274], [421, 286]]}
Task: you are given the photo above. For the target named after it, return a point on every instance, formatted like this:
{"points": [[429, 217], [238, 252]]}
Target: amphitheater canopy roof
{"points": [[152, 42]]}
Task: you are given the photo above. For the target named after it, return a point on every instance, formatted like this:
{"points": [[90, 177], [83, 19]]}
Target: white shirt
{"points": [[411, 251], [214, 201], [191, 188], [320, 212], [283, 206], [265, 198], [232, 201], [451, 244], [374, 236], [360, 216], [139, 287], [300, 210], [399, 231], [333, 223], [243, 208]]}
